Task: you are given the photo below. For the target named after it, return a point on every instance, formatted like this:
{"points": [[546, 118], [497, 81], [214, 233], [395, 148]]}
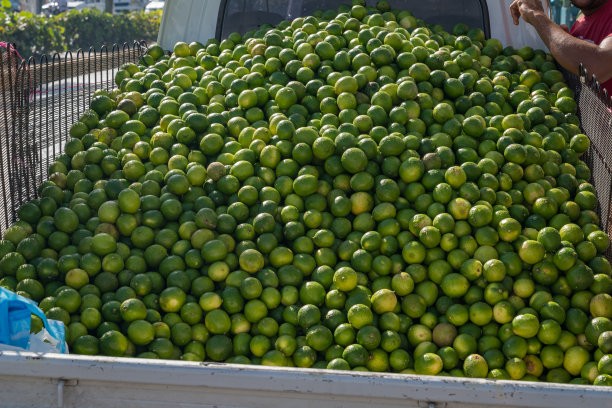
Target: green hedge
{"points": [[35, 35]]}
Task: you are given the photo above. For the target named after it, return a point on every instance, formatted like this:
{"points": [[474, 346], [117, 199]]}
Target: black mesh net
{"points": [[39, 100], [595, 112], [242, 16]]}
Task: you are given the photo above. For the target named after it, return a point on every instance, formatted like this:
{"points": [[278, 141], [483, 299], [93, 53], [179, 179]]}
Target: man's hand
{"points": [[569, 51], [528, 9]]}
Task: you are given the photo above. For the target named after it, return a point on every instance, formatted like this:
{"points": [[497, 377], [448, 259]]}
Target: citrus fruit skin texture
{"points": [[351, 190]]}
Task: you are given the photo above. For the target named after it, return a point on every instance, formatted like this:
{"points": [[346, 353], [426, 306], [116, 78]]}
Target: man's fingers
{"points": [[534, 4], [515, 11]]}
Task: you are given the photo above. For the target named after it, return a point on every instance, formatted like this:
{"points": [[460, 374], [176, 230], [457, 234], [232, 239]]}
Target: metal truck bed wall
{"points": [[56, 380]]}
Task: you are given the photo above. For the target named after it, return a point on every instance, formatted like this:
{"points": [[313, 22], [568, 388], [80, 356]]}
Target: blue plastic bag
{"points": [[15, 322]]}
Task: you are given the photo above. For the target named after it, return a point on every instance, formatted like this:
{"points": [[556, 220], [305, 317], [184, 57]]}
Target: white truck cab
{"points": [[200, 20]]}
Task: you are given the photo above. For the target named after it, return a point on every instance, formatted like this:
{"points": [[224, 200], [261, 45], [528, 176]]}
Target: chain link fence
{"points": [[40, 99]]}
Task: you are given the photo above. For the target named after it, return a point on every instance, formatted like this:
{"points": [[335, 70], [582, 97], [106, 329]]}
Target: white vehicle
{"points": [[121, 6], [83, 4], [118, 5], [52, 380], [54, 7], [155, 5]]}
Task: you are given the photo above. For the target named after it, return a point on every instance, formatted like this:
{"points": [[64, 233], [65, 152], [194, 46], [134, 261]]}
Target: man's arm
{"points": [[569, 51]]}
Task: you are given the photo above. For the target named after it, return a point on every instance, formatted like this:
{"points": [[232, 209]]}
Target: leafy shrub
{"points": [[35, 35]]}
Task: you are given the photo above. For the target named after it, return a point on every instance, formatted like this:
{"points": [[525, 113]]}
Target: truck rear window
{"points": [[245, 15]]}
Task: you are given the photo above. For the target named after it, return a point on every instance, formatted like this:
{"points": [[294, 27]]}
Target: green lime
{"points": [[113, 343]]}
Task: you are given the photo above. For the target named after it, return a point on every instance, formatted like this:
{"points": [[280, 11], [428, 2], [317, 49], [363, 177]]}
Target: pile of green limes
{"points": [[352, 190]]}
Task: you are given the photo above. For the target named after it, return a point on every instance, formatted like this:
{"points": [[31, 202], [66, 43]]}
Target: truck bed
{"points": [[57, 380]]}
